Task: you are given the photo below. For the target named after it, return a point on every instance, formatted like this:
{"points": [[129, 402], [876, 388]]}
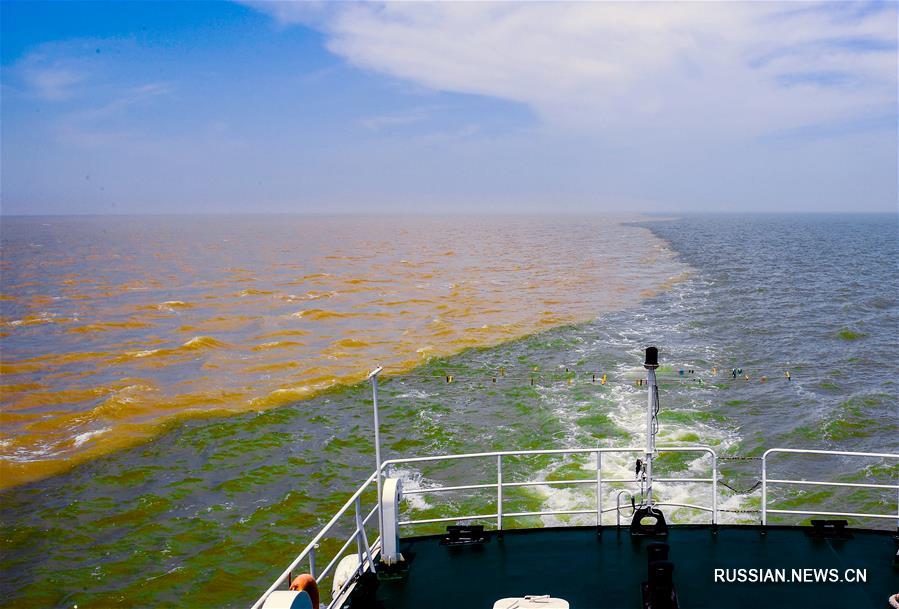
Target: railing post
{"points": [[362, 540], [499, 492], [360, 532], [765, 489], [618, 506], [714, 489], [598, 488]]}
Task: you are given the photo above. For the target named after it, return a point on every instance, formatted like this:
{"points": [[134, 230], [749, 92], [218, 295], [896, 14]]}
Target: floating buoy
{"points": [[306, 583]]}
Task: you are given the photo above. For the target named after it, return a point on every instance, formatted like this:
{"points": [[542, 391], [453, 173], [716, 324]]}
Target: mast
{"points": [[652, 411]]}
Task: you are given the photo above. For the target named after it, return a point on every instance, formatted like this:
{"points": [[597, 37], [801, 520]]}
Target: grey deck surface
{"points": [[605, 572]]}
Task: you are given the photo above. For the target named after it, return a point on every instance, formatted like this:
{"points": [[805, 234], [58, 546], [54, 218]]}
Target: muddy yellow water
{"points": [[112, 327]]}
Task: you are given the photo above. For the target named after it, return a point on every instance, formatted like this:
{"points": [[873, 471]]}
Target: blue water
{"points": [[818, 295], [211, 511]]}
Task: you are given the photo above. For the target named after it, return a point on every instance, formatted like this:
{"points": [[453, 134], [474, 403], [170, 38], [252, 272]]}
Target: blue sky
{"points": [[169, 107]]}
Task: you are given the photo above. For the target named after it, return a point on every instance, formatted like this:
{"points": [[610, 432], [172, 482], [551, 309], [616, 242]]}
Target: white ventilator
{"points": [[283, 599], [531, 602], [390, 503]]}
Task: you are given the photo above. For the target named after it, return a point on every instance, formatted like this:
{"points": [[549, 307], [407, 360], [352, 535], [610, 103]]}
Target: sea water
{"points": [[209, 496]]}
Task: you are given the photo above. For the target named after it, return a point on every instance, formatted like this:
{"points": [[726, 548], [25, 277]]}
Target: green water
{"points": [[210, 512]]}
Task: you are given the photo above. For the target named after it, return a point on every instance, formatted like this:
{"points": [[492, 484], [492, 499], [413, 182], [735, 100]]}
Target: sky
{"points": [[451, 107]]}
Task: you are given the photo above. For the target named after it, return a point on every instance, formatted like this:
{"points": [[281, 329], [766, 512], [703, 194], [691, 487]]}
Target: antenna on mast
{"points": [[652, 423], [646, 511]]}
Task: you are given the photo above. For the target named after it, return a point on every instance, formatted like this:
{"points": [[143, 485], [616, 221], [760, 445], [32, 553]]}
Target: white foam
{"points": [[417, 394], [413, 480], [87, 435], [628, 412]]}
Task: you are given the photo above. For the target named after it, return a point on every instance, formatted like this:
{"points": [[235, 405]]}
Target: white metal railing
{"points": [[598, 481], [766, 481], [367, 551], [364, 549]]}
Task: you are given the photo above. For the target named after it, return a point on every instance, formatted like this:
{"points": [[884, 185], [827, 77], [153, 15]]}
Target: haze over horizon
{"points": [[294, 107]]}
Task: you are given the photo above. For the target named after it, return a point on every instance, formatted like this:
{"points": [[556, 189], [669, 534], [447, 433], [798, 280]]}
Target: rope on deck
{"points": [[741, 491]]}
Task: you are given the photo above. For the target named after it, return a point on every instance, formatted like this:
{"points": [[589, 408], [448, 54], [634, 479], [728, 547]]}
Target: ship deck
{"points": [[605, 571]]}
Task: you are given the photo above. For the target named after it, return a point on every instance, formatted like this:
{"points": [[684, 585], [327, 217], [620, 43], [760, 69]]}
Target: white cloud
{"points": [[387, 121], [99, 106], [732, 69], [52, 83], [122, 99]]}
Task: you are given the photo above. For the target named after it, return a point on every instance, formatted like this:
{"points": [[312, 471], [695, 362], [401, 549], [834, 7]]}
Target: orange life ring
{"points": [[306, 582]]}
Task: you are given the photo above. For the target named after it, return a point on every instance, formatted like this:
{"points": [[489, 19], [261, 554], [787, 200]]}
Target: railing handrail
{"points": [[369, 552], [549, 451], [811, 451], [385, 465], [310, 547], [599, 481], [837, 453], [500, 484], [309, 550]]}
